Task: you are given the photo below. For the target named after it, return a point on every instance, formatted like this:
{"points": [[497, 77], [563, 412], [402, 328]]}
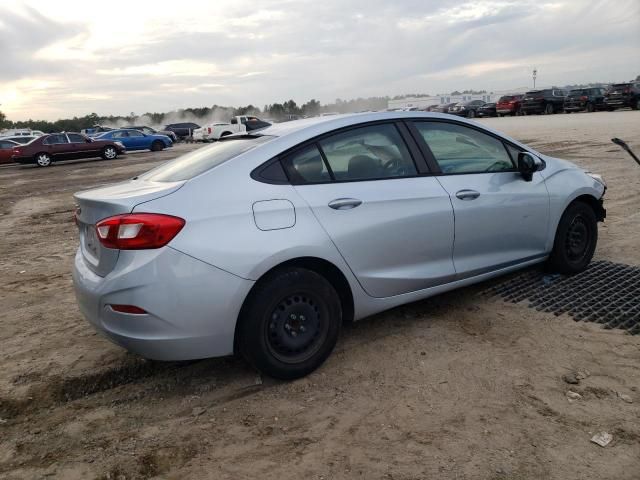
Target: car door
{"points": [[6, 149], [58, 147], [82, 148], [500, 219], [137, 140], [392, 225]]}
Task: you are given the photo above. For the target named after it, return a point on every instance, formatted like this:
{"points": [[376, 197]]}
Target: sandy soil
{"points": [[458, 387]]}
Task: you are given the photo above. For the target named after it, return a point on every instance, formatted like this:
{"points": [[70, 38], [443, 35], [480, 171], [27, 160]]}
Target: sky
{"points": [[64, 58]]}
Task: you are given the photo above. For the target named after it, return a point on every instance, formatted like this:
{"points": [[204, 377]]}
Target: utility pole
{"points": [[535, 74]]}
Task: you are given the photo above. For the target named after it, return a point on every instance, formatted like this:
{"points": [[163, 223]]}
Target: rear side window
{"points": [[458, 149], [55, 139], [199, 161], [368, 153], [306, 166]]}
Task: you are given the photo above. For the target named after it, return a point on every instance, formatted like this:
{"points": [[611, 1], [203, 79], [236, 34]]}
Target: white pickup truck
{"points": [[215, 131]]}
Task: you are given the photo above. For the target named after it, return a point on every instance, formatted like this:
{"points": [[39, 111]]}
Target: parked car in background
{"points": [[20, 132], [136, 140], [588, 99], [182, 130], [444, 108], [20, 139], [45, 150], [467, 109], [547, 101], [204, 134], [6, 150], [509, 105], [238, 124], [487, 110], [96, 129], [621, 95], [264, 244], [153, 131]]}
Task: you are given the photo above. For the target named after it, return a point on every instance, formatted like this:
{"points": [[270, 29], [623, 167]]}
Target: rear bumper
{"points": [[192, 307]]}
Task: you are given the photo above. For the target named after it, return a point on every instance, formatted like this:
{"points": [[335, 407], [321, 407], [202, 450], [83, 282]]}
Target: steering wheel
{"points": [[393, 166]]}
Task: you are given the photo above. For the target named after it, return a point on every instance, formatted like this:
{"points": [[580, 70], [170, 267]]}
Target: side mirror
{"points": [[528, 164]]}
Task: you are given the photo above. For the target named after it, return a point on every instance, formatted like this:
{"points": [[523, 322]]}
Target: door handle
{"points": [[467, 194], [344, 203]]}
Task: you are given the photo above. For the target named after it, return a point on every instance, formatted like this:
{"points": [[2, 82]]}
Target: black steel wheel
{"points": [[290, 323], [576, 239]]}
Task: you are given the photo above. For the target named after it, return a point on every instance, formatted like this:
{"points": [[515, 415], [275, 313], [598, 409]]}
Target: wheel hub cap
{"points": [[577, 240], [295, 328]]}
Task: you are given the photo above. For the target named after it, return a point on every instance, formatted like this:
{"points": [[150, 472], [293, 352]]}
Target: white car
{"points": [[265, 243], [238, 124]]}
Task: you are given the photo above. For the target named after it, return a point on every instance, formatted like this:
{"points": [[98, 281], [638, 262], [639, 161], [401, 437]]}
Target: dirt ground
{"points": [[457, 387]]}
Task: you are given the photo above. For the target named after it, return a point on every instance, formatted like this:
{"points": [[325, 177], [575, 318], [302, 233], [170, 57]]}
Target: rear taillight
{"points": [[584, 98], [138, 231], [209, 130], [130, 309], [16, 151]]}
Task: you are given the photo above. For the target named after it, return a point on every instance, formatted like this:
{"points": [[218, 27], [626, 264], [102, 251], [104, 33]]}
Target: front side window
{"points": [[135, 133], [367, 153], [75, 138], [460, 149]]}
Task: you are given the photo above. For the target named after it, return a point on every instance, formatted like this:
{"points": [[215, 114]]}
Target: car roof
{"points": [[307, 128]]}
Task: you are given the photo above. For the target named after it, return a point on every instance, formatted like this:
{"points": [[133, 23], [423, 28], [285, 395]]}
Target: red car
{"points": [[6, 150], [509, 105], [65, 146]]}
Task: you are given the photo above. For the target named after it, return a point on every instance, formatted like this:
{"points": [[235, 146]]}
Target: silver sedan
{"points": [[264, 244]]}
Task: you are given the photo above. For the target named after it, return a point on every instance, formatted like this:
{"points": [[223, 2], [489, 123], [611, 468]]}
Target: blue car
{"points": [[136, 140]]}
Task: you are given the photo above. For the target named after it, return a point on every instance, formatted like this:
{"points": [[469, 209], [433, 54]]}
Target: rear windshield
{"points": [[194, 163], [507, 98]]}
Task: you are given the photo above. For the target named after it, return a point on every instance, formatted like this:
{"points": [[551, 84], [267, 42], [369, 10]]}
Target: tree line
{"points": [[276, 111]]}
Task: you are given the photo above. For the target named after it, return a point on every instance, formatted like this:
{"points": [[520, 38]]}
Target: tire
{"points": [[548, 109], [109, 152], [576, 239], [271, 330], [471, 114], [636, 106], [157, 146], [225, 134], [590, 108], [43, 159]]}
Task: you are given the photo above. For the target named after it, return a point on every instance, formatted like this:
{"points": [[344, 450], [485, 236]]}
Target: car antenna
{"points": [[626, 147]]}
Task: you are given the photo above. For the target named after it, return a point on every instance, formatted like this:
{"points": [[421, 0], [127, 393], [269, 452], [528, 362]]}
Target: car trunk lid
{"points": [[99, 203]]}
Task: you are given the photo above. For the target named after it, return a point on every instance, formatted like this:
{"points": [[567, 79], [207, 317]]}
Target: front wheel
{"points": [[157, 146], [590, 108], [576, 239], [109, 153], [290, 323], [548, 109], [471, 114], [636, 106]]}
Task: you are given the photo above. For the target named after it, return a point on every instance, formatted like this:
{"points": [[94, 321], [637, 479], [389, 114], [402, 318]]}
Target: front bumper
{"points": [[192, 307]]}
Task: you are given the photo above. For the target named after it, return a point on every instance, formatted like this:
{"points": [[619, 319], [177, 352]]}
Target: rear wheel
{"points": [[290, 323], [43, 159], [590, 107], [576, 239], [548, 109], [109, 152], [471, 114], [156, 146], [636, 105]]}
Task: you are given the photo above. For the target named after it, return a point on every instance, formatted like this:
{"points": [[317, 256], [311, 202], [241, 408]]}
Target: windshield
{"points": [[203, 159], [578, 92]]}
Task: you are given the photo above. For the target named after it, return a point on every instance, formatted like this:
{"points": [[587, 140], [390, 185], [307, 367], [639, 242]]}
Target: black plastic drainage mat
{"points": [[606, 293]]}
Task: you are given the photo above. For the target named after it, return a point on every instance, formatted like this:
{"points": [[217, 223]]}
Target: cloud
{"points": [[230, 52]]}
